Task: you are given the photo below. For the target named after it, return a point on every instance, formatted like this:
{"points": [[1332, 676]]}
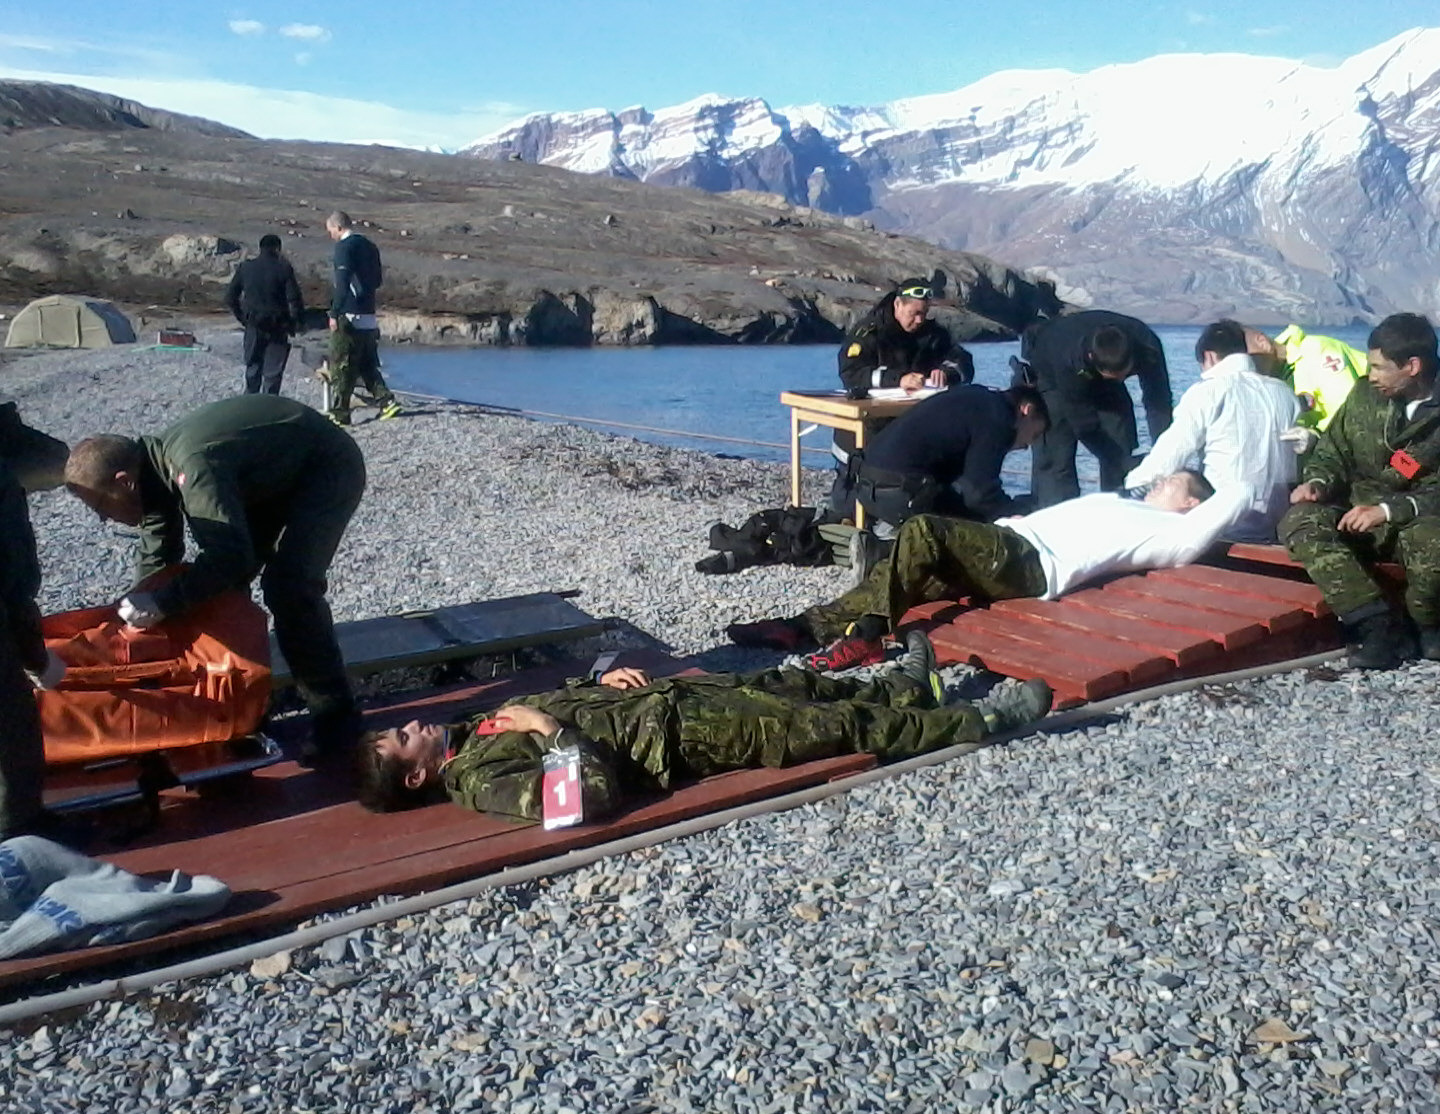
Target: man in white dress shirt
{"points": [[1228, 427]]}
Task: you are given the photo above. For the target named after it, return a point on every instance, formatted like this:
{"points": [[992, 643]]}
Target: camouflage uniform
{"points": [[935, 558], [1351, 464], [641, 740]]}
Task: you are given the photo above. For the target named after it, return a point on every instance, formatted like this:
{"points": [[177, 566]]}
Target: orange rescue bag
{"points": [[200, 677]]}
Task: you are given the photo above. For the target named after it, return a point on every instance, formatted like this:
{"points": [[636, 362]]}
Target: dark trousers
{"points": [[266, 351], [22, 748], [294, 580], [1053, 478], [935, 558], [354, 355]]}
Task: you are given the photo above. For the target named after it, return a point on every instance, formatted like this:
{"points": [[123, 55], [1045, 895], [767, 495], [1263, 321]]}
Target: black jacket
{"points": [[959, 437], [1059, 354], [263, 294], [358, 274], [877, 342]]}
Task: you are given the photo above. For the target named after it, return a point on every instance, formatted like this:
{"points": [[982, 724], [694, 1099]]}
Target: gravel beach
{"points": [[1221, 900]]}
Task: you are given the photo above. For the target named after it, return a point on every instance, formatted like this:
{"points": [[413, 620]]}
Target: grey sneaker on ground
{"points": [[918, 664], [1011, 706], [864, 553]]}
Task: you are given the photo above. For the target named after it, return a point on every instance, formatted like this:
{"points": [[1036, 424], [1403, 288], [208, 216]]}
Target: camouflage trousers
{"points": [[637, 741], [935, 558], [1339, 563], [354, 355]]}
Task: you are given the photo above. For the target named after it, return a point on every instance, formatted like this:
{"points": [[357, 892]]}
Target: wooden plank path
{"points": [[1248, 608], [292, 843]]}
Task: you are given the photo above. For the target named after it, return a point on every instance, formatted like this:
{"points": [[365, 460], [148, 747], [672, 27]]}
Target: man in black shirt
{"points": [[944, 455], [354, 328], [265, 298], [1080, 363], [894, 345]]}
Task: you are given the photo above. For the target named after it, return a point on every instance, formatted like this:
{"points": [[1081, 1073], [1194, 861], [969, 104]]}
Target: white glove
{"points": [[51, 675], [139, 609], [1300, 438]]}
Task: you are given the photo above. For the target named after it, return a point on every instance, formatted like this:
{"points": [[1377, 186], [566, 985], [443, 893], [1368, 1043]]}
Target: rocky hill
{"points": [[143, 207], [1180, 187]]}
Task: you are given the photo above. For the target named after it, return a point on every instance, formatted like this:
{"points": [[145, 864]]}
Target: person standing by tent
{"points": [[354, 329], [265, 298]]}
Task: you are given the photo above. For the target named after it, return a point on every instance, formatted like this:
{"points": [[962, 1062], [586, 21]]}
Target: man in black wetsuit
{"points": [[894, 345], [944, 455], [1080, 363]]}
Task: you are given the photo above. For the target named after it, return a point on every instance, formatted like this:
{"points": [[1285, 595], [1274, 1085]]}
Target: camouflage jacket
{"points": [[1354, 462]]}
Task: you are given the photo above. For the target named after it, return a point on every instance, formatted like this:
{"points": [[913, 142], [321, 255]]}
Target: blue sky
{"points": [[443, 73]]}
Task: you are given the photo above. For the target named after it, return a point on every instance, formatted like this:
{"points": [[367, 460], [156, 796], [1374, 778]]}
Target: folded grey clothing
{"points": [[52, 898]]}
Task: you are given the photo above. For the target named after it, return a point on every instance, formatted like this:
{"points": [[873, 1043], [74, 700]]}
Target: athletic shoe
{"points": [[917, 664], [864, 554], [392, 409], [1011, 706], [850, 651], [343, 423], [770, 634]]}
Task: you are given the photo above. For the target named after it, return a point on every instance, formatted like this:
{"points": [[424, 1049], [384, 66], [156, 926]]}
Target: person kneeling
{"points": [[631, 735]]}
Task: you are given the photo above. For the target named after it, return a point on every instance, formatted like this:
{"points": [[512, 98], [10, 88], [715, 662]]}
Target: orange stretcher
{"points": [[155, 708]]}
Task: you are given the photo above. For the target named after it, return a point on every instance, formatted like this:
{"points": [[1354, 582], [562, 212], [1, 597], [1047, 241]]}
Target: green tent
{"points": [[69, 321]]}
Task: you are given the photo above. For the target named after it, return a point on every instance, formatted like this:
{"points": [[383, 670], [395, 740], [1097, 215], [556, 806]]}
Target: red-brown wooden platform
{"points": [[1250, 606], [291, 843]]}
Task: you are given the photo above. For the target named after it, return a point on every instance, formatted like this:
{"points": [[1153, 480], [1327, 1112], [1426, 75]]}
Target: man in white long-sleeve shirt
{"points": [[1228, 427], [1043, 554]]}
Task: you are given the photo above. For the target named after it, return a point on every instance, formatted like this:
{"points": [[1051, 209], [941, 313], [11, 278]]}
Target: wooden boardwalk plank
{"points": [[1181, 647], [1230, 631], [1274, 617], [1074, 680], [1301, 594], [1140, 665]]}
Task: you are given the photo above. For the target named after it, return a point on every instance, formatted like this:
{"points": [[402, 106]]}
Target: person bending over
{"points": [[1230, 426], [1043, 554], [1371, 493], [635, 735]]}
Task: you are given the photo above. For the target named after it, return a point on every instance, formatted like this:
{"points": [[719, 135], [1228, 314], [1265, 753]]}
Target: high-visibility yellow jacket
{"points": [[1321, 370]]}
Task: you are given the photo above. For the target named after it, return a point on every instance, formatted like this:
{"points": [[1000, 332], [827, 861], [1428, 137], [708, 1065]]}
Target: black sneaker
{"points": [[1011, 706], [918, 664]]}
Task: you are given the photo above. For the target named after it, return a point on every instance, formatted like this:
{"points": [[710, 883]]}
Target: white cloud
{"points": [[290, 114], [307, 31], [247, 26]]}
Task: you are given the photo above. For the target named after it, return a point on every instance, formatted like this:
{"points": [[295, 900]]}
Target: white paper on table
{"points": [[900, 394]]}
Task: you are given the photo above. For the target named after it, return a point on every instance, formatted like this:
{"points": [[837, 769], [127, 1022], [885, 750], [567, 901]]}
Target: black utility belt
{"points": [[909, 482]]}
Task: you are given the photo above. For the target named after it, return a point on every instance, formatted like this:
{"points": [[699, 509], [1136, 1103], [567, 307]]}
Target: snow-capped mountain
{"points": [[1182, 186]]}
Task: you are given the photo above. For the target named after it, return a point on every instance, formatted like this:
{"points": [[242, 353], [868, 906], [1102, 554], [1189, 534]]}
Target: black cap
{"points": [[914, 288], [269, 242]]}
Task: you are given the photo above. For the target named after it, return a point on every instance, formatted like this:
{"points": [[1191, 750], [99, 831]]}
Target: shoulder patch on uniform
{"points": [[853, 350]]}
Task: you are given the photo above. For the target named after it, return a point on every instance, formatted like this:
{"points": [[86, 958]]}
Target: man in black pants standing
{"points": [[354, 328], [1080, 364], [265, 298]]}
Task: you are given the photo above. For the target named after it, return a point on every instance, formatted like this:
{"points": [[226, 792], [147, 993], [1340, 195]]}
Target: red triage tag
{"points": [[1405, 464], [488, 727], [562, 805]]}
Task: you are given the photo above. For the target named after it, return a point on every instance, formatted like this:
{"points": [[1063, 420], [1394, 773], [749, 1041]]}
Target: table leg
{"points": [[794, 458], [859, 446]]}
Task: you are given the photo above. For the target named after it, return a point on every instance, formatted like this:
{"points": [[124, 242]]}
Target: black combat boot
{"points": [[1380, 635]]}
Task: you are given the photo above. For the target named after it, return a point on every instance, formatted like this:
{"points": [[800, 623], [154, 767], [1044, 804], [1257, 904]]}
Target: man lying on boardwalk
{"points": [[1044, 554], [632, 735]]}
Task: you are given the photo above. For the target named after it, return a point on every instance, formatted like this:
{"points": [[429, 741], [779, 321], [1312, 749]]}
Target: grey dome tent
{"points": [[69, 321]]}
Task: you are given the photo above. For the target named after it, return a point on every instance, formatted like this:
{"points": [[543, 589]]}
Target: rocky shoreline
{"points": [[1222, 900]]}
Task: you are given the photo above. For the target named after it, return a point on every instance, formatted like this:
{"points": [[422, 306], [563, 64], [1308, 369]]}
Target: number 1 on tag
{"points": [[562, 804]]}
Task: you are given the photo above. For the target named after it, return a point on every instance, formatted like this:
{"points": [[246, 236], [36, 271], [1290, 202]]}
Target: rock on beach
{"points": [[1223, 900]]}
